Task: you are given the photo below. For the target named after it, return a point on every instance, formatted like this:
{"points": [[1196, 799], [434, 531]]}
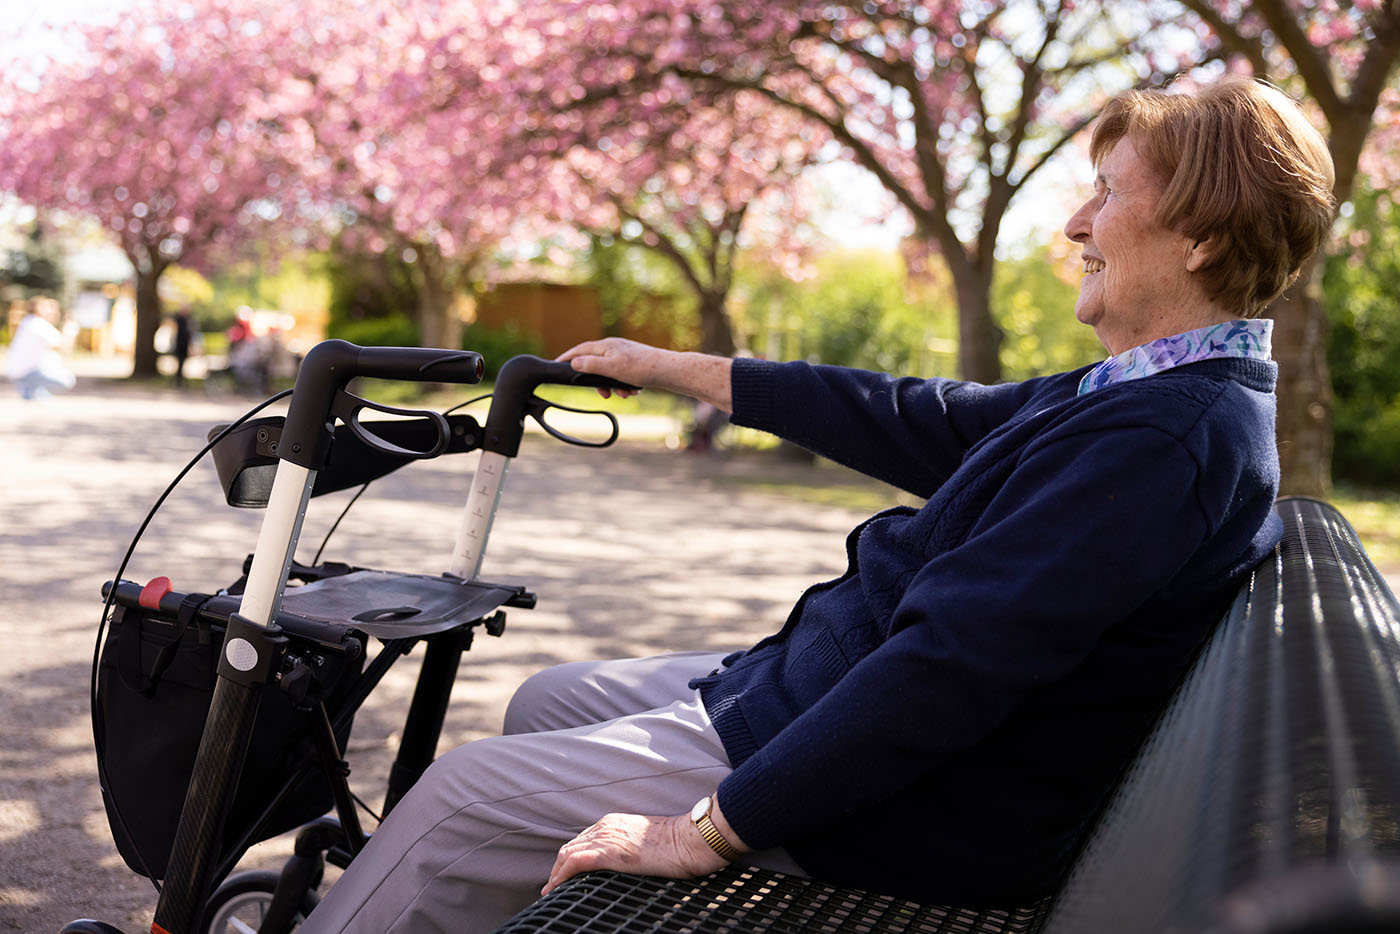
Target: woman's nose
{"points": [[1078, 227]]}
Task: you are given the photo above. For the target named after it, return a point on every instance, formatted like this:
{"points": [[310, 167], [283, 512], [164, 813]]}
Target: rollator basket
{"points": [[155, 681]]}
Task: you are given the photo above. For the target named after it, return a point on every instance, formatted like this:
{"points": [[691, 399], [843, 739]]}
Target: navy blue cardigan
{"points": [[942, 721]]}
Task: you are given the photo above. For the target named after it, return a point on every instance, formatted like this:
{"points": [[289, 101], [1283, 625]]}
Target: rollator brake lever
{"points": [[347, 407], [535, 407]]}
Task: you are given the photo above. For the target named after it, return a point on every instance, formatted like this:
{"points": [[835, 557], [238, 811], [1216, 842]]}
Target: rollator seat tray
{"points": [[396, 605]]}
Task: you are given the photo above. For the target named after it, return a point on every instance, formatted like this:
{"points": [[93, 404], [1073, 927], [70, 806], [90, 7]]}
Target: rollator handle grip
{"points": [[518, 379], [419, 364]]}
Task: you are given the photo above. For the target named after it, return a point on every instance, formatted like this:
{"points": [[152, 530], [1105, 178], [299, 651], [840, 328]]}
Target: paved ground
{"points": [[631, 550]]}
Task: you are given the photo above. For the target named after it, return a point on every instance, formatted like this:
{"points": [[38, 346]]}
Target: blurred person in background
{"points": [[35, 361], [183, 343]]}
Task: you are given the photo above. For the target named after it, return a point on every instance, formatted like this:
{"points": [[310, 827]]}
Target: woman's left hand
{"points": [[652, 846]]}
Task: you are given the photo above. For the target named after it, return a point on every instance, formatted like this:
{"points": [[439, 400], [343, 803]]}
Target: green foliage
{"points": [[856, 311], [384, 331], [1034, 305], [497, 345], [34, 269], [366, 287], [637, 287], [296, 284], [1360, 282], [182, 287], [861, 309]]}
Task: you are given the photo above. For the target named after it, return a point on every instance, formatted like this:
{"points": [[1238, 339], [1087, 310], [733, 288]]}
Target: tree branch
{"points": [[1379, 60], [1230, 36], [864, 155], [666, 247], [1311, 63]]}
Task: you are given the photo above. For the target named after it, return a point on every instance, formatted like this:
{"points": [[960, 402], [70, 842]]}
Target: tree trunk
{"points": [[1304, 389], [148, 315], [437, 325], [716, 334], [979, 338]]}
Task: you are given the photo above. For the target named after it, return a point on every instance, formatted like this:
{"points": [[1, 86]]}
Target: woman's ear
{"points": [[1199, 253]]}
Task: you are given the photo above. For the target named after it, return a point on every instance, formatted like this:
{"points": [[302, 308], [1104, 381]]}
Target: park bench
{"points": [[1266, 798]]}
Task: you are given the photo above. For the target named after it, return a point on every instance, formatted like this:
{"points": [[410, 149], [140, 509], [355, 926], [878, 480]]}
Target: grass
{"points": [[1375, 514]]}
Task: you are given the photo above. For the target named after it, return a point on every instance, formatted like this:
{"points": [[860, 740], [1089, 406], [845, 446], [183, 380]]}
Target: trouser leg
{"points": [[38, 384], [579, 693], [474, 840]]}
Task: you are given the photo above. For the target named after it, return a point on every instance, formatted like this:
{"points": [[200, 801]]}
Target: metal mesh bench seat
{"points": [[1266, 798], [744, 898]]}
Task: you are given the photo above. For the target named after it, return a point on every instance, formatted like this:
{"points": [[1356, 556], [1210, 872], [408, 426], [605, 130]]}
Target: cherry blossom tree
{"points": [[408, 146], [954, 106], [186, 125], [169, 127], [690, 195], [1342, 55], [1380, 159], [467, 148]]}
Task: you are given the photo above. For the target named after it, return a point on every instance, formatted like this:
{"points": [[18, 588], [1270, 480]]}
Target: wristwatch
{"points": [[700, 816]]}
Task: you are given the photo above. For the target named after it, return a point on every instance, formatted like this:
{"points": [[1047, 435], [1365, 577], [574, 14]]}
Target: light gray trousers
{"points": [[475, 839]]}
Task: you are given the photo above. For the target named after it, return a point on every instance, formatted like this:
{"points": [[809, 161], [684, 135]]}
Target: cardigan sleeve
{"points": [[912, 433], [1081, 534]]}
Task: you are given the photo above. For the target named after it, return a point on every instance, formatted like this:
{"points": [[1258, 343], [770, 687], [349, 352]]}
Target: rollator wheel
{"points": [[240, 904]]}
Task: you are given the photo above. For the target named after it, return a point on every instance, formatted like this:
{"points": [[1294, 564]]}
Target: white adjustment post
{"points": [[277, 542], [480, 512]]}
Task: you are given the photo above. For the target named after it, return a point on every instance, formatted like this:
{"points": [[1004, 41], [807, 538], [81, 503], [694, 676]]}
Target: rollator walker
{"points": [[292, 663]]}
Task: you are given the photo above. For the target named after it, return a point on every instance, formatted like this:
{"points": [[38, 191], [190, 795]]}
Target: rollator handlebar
{"points": [[331, 365], [517, 381]]}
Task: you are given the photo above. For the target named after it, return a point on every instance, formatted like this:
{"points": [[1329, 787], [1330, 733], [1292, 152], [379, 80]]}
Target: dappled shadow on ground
{"points": [[631, 550]]}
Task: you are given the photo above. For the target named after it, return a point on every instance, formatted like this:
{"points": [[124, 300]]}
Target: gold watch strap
{"points": [[714, 838]]}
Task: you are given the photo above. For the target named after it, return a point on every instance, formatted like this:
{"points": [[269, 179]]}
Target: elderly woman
{"points": [[943, 720]]}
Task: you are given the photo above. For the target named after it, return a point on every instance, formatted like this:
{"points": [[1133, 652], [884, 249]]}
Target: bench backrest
{"points": [[1268, 796]]}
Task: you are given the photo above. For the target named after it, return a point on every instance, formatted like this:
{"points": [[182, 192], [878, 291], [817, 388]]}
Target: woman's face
{"points": [[1137, 286]]}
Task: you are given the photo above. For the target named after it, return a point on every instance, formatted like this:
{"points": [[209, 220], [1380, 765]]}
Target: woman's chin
{"points": [[1087, 311]]}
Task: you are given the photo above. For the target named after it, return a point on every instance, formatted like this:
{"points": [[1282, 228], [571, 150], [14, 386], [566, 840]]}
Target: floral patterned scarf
{"points": [[1250, 339]]}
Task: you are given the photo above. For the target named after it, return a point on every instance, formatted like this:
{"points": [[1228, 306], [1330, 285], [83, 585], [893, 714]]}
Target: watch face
{"points": [[702, 807]]}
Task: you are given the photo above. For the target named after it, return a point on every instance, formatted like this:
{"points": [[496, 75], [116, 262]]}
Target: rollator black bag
{"points": [[154, 686]]}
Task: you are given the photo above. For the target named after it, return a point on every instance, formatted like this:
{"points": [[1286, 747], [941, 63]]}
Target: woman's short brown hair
{"points": [[1239, 162]]}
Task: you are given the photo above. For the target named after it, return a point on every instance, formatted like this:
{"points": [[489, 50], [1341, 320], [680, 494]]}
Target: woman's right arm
{"points": [[912, 433]]}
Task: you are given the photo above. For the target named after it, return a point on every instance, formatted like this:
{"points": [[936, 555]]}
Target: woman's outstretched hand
{"points": [[700, 376]]}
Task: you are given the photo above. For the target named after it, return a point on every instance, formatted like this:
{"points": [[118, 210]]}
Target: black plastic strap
{"points": [[129, 645], [189, 609]]}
